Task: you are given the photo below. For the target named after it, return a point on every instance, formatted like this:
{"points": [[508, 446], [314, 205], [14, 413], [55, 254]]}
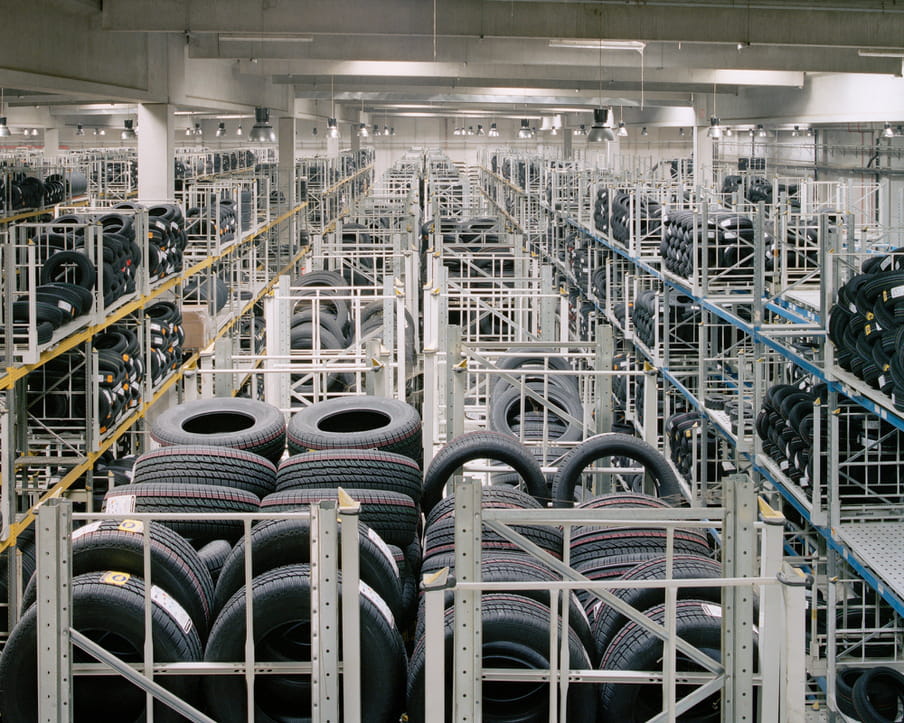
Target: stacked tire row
{"points": [[682, 323], [612, 214], [868, 447], [687, 446], [727, 242], [866, 325], [166, 339], [20, 190], [215, 220]]}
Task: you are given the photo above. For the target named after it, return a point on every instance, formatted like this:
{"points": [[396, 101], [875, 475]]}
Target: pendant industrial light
{"points": [[376, 130], [392, 131], [471, 131], [581, 130], [888, 131], [796, 132], [240, 131], [314, 131], [729, 133], [761, 131], [221, 129], [480, 130], [386, 131], [681, 132], [4, 129], [198, 131], [262, 131], [809, 132], [362, 131], [524, 131], [601, 130], [644, 132], [494, 131], [79, 130], [188, 131], [332, 128], [715, 130], [128, 130], [622, 131]]}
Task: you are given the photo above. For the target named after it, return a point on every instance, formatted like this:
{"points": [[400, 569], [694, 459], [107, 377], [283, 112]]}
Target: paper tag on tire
{"points": [[120, 505], [87, 529], [164, 600], [714, 611]]}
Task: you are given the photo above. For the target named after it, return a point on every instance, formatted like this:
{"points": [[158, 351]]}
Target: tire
{"points": [[175, 566], [361, 422], [157, 497], [607, 621], [506, 410], [613, 444], [520, 567], [327, 322], [844, 690], [439, 539], [302, 337], [220, 466], [214, 555], [877, 695], [55, 269], [480, 445], [623, 499], [275, 543], [224, 422], [107, 607], [359, 468], [282, 604], [596, 545], [393, 516], [541, 360], [492, 497], [515, 634], [636, 648]]}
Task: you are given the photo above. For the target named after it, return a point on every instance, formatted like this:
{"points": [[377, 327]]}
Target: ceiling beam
{"points": [[873, 25]]}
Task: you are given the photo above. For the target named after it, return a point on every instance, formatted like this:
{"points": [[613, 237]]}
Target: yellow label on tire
{"points": [[136, 526], [115, 578]]}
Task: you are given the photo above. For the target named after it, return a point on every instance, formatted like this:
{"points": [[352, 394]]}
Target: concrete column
{"points": [[51, 142], [567, 147], [288, 231], [332, 147], [703, 156], [356, 139], [156, 150]]}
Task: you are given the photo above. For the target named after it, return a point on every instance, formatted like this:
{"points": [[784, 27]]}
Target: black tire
{"points": [[224, 422], [844, 690], [220, 466], [44, 312], [302, 337], [506, 411], [282, 604], [275, 543], [359, 468], [157, 497], [623, 499], [515, 634], [175, 565], [607, 621], [613, 444], [214, 555], [597, 545], [56, 268], [393, 516], [439, 539], [491, 497], [361, 422], [481, 445], [501, 566], [327, 322], [878, 694], [107, 607], [636, 648]]}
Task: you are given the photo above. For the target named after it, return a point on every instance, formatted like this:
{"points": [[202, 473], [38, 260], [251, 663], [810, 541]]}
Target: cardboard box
{"points": [[198, 326]]}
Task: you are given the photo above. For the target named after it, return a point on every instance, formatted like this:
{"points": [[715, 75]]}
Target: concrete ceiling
{"points": [[443, 57]]}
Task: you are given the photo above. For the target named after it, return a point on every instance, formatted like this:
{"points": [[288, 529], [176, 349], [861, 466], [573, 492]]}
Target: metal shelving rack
{"points": [[766, 313]]}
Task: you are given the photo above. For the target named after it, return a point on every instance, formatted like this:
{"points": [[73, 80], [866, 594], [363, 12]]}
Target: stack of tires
{"points": [[687, 447], [121, 372], [213, 222], [866, 323], [166, 339], [726, 242]]}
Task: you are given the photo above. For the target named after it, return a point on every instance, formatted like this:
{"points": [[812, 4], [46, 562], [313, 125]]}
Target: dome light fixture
{"points": [[471, 131], [332, 128], [493, 132], [524, 131], [240, 131], [796, 132], [715, 130], [888, 131], [761, 131], [681, 132], [128, 130], [79, 129], [362, 131], [810, 132], [622, 131], [198, 131], [729, 133], [221, 129], [262, 131], [5, 132], [581, 130], [189, 131], [601, 130], [644, 132], [376, 131], [314, 131], [480, 130]]}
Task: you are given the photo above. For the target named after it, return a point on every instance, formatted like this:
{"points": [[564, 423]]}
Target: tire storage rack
{"points": [[459, 325], [742, 310], [98, 329]]}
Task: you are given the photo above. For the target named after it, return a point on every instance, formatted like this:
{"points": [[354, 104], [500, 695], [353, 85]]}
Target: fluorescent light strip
{"points": [[636, 45], [270, 38]]}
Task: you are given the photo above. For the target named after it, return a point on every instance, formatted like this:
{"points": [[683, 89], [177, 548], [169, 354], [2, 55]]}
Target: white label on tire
{"points": [[87, 529], [384, 548], [714, 611], [120, 505], [372, 595], [163, 600]]}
